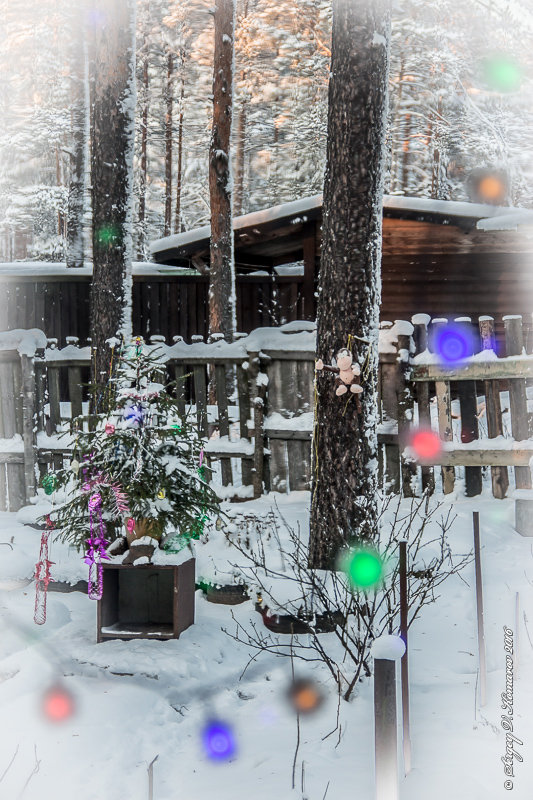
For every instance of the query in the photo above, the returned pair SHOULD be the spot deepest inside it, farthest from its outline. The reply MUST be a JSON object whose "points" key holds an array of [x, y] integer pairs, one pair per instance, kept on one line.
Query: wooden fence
{"points": [[260, 436], [167, 304]]}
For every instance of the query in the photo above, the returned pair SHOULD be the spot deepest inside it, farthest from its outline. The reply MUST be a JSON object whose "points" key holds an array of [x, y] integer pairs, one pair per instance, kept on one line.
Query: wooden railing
{"points": [[419, 382], [259, 435]]}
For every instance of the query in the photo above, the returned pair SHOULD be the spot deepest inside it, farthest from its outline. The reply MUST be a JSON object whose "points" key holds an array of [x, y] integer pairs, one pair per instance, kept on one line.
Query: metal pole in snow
{"points": [[151, 778], [406, 735], [479, 604]]}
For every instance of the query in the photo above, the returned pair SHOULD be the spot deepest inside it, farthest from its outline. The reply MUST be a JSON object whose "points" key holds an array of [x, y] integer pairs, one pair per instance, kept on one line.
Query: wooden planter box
{"points": [[146, 602]]}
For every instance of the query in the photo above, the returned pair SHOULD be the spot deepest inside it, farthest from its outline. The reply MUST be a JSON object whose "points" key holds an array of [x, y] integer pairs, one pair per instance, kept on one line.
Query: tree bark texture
{"points": [[344, 485], [78, 155], [141, 251], [239, 160], [222, 273], [113, 118], [179, 171], [168, 143]]}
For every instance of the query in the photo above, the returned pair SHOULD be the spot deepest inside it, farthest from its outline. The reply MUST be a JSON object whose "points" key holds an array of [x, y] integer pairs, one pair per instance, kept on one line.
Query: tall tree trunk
{"points": [[344, 504], [238, 193], [222, 271], [168, 145], [239, 160], [179, 171], [78, 156], [113, 130], [60, 181], [406, 146], [141, 249]]}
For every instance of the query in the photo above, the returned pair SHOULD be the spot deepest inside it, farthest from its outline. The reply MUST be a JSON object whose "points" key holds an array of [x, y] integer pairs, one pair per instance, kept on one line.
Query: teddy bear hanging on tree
{"points": [[346, 370]]}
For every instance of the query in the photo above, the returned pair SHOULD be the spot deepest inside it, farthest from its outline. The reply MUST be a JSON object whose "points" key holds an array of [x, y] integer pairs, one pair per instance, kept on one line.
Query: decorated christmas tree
{"points": [[137, 465]]}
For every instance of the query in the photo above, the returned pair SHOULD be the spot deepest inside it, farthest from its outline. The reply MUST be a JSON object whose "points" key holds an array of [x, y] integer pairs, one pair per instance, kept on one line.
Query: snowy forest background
{"points": [[445, 119]]}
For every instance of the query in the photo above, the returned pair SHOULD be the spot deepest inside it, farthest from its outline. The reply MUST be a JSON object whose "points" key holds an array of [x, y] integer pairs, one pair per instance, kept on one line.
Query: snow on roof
{"points": [[423, 205], [60, 269], [445, 208], [302, 206], [507, 222]]}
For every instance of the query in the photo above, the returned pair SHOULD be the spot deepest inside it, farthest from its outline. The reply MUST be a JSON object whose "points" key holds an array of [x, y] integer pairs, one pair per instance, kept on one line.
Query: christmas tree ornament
{"points": [[161, 494], [96, 550], [134, 415], [109, 429], [49, 484], [130, 525], [75, 466], [42, 576], [177, 428]]}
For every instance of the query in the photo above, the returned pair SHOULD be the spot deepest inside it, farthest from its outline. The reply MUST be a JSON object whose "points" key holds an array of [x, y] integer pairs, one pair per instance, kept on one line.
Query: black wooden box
{"points": [[148, 601]]}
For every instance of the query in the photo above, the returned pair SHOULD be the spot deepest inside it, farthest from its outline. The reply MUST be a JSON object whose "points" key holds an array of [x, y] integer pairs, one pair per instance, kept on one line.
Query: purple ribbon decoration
{"points": [[96, 550]]}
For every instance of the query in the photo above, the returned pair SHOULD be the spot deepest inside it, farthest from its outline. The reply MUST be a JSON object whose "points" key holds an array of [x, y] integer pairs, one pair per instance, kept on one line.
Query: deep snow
{"points": [[139, 699]]}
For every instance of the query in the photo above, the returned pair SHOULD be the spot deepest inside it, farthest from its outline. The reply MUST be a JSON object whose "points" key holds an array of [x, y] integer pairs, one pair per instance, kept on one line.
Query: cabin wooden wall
{"points": [[439, 269]]}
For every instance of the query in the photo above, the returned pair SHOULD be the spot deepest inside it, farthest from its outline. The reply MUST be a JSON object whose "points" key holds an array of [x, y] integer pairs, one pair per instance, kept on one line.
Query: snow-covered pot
{"points": [[144, 526], [229, 595]]}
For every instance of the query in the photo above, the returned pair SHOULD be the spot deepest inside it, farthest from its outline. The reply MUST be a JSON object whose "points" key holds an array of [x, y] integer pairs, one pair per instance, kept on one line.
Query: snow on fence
{"points": [[260, 434]]}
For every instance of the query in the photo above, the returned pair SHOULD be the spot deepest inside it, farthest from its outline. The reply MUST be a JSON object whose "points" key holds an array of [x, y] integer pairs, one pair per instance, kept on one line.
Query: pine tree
{"points": [[221, 264], [344, 504], [112, 145], [141, 456]]}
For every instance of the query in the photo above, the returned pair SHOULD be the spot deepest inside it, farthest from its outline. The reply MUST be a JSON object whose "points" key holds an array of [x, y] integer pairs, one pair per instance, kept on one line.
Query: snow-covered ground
{"points": [[140, 699]]}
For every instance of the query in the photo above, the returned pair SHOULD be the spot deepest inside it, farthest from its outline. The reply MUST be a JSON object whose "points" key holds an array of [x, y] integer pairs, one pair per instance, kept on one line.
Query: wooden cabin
{"points": [[442, 258]]}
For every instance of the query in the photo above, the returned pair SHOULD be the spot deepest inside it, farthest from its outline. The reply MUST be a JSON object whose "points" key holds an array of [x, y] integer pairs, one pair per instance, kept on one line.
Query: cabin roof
{"points": [[274, 235]]}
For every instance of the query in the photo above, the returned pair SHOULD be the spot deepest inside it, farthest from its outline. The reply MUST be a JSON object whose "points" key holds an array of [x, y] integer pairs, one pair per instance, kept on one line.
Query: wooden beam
{"points": [[500, 369], [463, 457]]}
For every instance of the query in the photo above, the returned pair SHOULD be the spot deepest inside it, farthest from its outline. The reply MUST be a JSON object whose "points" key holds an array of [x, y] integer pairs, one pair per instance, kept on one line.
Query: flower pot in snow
{"points": [[230, 595]]}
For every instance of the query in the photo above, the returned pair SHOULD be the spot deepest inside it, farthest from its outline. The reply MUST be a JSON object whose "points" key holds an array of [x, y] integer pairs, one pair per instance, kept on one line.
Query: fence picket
{"points": [[514, 344], [223, 419], [243, 390], [499, 475], [420, 337], [466, 391], [442, 389]]}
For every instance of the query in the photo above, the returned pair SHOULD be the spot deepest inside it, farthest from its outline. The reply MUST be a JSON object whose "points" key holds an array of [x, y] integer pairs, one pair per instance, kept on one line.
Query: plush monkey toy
{"points": [[347, 373]]}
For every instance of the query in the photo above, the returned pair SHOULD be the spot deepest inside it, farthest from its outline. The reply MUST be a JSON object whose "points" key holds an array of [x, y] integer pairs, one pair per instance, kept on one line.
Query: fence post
{"points": [[258, 446], [514, 343], [466, 391], [28, 424], [386, 650], [405, 407], [388, 375], [444, 406], [404, 609], [499, 475], [479, 612], [420, 336]]}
